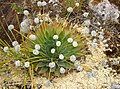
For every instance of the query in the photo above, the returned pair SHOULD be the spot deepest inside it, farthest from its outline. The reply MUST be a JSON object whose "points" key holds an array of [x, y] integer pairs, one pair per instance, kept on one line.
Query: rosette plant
{"points": [[54, 48]]}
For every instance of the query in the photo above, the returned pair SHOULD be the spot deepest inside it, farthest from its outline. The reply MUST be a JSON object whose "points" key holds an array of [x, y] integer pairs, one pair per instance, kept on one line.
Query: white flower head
{"points": [[27, 64], [10, 27], [70, 9], [17, 63], [39, 3], [55, 37], [86, 31], [35, 52], [80, 68], [61, 56], [72, 58], [77, 63], [94, 45], [58, 43], [17, 48], [32, 37], [26, 12], [75, 44], [52, 64], [93, 33], [77, 4], [52, 50], [5, 49], [14, 43], [85, 14], [37, 46], [87, 22], [101, 37], [62, 70], [36, 20], [70, 40], [44, 3]]}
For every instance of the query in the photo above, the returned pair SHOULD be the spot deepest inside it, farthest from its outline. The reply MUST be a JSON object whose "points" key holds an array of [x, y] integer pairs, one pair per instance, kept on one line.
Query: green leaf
{"points": [[41, 64], [44, 69], [66, 64]]}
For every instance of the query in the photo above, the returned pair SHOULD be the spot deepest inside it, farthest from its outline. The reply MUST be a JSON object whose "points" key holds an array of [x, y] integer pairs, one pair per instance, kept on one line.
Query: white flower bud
{"points": [[70, 40], [39, 3], [37, 47], [79, 68], [14, 43], [10, 27], [17, 63], [77, 63], [5, 49], [35, 52], [61, 56], [36, 20], [86, 31], [55, 37], [87, 22], [17, 48], [77, 4], [52, 64], [62, 70], [70, 9], [75, 44], [94, 45], [101, 37], [93, 33], [32, 37], [58, 43], [53, 51], [27, 64], [44, 3], [72, 58], [26, 12], [85, 14]]}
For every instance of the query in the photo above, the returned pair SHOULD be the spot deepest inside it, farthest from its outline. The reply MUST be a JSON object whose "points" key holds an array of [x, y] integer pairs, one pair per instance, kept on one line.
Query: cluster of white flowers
{"points": [[73, 58], [37, 46], [70, 40], [43, 3], [70, 9], [94, 44], [93, 33], [36, 20], [10, 27], [5, 49], [55, 37], [75, 44], [27, 64], [24, 26], [32, 37], [106, 10], [85, 31], [85, 14], [26, 12], [17, 63], [61, 56], [77, 4], [52, 50], [62, 70], [87, 22], [58, 43], [17, 48], [35, 52], [115, 62], [14, 43], [52, 64], [77, 63], [80, 68]]}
